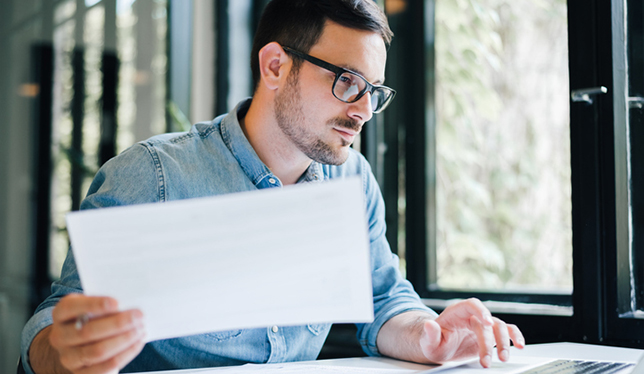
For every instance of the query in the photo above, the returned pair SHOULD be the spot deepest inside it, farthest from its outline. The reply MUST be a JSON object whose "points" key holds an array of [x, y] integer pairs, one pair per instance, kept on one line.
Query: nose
{"points": [[361, 110]]}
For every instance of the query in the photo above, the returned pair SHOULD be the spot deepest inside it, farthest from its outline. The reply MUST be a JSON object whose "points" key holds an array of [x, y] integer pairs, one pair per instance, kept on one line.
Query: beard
{"points": [[292, 121]]}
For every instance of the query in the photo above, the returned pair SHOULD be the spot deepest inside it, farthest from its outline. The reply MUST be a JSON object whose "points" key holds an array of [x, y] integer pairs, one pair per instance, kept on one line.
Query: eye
{"points": [[344, 81], [348, 80]]}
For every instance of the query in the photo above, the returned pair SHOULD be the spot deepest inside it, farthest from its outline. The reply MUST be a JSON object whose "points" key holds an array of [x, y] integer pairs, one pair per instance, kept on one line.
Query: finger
{"points": [[100, 328], [516, 336], [72, 306], [114, 364], [430, 340], [502, 338], [95, 353], [485, 341], [468, 308]]}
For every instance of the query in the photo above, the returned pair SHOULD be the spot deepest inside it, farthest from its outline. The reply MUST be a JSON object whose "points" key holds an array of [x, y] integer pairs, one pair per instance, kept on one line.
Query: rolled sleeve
{"points": [[36, 323], [368, 334], [392, 294], [69, 282]]}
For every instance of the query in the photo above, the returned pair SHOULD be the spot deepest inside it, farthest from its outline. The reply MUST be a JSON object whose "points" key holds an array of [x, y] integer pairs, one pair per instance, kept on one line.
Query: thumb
{"points": [[431, 336]]}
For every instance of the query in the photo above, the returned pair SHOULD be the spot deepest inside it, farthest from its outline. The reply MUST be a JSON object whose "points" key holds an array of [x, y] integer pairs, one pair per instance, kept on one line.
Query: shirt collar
{"points": [[312, 174], [236, 141]]}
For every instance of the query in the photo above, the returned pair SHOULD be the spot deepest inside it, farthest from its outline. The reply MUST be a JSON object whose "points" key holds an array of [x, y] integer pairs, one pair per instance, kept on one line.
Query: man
{"points": [[317, 66]]}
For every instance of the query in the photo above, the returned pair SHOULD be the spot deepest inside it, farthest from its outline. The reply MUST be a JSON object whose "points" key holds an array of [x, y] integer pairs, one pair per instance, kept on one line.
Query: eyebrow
{"points": [[352, 69]]}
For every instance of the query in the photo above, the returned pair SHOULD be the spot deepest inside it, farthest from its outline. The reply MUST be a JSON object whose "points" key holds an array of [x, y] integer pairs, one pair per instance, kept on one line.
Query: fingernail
{"points": [[504, 355], [486, 361]]}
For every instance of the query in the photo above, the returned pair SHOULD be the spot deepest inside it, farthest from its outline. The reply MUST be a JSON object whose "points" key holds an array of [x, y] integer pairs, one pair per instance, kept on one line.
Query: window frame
{"points": [[621, 326]]}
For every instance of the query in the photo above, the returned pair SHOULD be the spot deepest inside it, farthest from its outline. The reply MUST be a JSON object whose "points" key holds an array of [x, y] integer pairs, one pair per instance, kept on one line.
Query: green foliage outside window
{"points": [[503, 145]]}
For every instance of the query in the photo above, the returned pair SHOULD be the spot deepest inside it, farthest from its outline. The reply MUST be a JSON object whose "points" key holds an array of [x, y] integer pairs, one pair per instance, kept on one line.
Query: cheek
{"points": [[317, 92], [321, 107], [318, 104]]}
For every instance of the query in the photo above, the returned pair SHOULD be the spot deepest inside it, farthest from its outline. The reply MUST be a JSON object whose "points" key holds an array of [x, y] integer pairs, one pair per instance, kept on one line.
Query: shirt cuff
{"points": [[35, 324], [368, 336]]}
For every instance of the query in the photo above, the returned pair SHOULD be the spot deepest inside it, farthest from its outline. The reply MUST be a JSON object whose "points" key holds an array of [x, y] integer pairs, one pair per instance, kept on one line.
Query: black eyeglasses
{"points": [[349, 86]]}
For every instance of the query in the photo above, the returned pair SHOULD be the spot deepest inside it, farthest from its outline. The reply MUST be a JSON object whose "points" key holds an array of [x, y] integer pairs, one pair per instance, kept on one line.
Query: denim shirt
{"points": [[215, 158]]}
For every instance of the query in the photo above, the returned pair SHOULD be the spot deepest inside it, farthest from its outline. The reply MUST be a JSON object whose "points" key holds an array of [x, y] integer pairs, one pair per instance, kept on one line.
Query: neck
{"points": [[282, 157]]}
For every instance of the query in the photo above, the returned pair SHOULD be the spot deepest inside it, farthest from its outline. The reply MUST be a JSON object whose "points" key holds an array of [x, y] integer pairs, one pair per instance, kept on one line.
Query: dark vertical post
{"points": [[419, 175], [223, 35], [78, 114], [107, 145], [586, 171], [42, 67], [109, 102]]}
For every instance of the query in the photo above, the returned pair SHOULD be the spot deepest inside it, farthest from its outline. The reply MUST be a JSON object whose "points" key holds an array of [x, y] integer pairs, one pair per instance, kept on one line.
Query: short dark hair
{"points": [[298, 24]]}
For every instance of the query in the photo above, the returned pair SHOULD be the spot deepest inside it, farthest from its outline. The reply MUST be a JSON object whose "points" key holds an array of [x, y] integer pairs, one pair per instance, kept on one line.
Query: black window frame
{"points": [[622, 326]]}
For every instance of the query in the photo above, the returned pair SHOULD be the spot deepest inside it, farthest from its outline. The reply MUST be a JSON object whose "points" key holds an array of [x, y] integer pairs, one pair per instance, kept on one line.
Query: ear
{"points": [[273, 65]]}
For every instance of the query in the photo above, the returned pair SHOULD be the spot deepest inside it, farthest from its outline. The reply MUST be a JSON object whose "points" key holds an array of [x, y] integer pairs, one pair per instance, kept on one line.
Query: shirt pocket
{"points": [[224, 335], [318, 328]]}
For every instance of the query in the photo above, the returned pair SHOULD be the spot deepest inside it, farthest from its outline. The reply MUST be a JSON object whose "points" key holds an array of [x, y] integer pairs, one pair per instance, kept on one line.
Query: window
{"points": [[513, 191], [109, 90], [502, 188], [122, 71], [484, 149]]}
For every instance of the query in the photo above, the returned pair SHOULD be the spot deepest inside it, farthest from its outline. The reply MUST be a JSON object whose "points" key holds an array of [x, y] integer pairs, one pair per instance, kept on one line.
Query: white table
{"points": [[377, 365]]}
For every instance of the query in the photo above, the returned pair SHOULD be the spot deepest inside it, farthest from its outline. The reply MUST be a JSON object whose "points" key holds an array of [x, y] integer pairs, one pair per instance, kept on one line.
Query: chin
{"points": [[327, 154], [340, 157]]}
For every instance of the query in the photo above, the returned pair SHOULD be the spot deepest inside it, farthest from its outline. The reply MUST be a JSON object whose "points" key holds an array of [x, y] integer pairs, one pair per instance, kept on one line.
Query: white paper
{"points": [[288, 369], [355, 365], [280, 256]]}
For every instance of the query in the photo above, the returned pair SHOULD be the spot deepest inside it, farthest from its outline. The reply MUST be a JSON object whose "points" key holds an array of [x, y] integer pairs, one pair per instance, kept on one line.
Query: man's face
{"points": [[316, 122]]}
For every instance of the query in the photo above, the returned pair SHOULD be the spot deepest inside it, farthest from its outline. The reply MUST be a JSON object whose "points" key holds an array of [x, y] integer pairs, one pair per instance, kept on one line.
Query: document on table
{"points": [[289, 369], [280, 256], [355, 365]]}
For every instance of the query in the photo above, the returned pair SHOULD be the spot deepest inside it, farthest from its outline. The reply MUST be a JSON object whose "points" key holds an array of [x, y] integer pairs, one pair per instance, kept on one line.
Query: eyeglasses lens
{"points": [[377, 99], [348, 87]]}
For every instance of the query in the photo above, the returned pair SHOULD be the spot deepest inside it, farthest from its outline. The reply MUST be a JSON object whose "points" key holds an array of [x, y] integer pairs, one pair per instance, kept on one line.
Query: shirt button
{"points": [[275, 329], [271, 180]]}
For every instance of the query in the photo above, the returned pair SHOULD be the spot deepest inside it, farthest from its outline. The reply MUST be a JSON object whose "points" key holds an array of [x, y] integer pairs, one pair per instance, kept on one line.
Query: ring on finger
{"points": [[81, 321]]}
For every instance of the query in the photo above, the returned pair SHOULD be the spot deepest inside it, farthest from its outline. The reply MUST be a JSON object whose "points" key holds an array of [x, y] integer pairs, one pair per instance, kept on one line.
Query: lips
{"points": [[346, 134]]}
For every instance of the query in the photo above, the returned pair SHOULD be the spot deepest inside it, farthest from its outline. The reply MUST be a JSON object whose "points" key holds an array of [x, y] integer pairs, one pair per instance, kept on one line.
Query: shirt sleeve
{"points": [[130, 178], [392, 294]]}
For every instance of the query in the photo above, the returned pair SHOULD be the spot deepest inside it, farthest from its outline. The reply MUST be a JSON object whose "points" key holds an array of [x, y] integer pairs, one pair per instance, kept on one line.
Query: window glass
{"points": [[81, 55], [141, 47], [503, 190]]}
